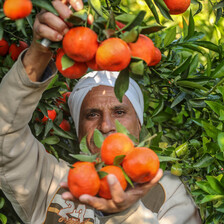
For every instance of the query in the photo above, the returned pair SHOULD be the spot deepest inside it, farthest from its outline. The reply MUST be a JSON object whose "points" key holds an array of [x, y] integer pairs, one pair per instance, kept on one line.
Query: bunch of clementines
{"points": [[80, 45], [138, 164]]}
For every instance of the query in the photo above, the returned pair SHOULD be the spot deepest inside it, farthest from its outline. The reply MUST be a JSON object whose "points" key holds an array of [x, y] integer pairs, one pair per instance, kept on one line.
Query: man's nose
{"points": [[107, 125]]}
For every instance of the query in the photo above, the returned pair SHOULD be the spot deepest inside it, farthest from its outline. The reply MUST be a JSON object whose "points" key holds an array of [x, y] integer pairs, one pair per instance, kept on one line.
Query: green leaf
{"points": [[167, 159], [210, 129], [2, 202], [191, 26], [209, 198], [182, 67], [83, 146], [48, 127], [208, 45], [38, 128], [127, 177], [205, 186], [121, 84], [182, 150], [102, 174], [209, 65], [216, 185], [185, 27], [220, 138], [118, 160], [96, 5], [51, 93], [189, 84], [3, 218], [219, 71], [86, 158], [78, 18], [215, 106], [52, 140], [131, 36], [66, 62], [159, 108], [153, 10], [204, 161], [180, 97], [170, 37], [98, 138], [60, 132], [45, 5], [137, 67], [151, 29], [163, 9], [121, 128]]}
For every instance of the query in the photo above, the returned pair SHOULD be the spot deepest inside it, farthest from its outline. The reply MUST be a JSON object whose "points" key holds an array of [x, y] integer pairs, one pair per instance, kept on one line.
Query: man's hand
{"points": [[47, 25], [121, 200]]}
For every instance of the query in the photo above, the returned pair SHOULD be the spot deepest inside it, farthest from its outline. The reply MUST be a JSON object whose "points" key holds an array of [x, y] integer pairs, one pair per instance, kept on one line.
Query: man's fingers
{"points": [[62, 9], [76, 4], [68, 196]]}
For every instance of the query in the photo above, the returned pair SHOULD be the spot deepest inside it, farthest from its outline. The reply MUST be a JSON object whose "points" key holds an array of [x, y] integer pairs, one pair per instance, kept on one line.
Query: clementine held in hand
{"points": [[141, 165], [80, 44], [77, 70], [156, 58], [83, 179], [114, 145], [113, 55], [177, 6], [104, 190], [17, 9], [143, 48]]}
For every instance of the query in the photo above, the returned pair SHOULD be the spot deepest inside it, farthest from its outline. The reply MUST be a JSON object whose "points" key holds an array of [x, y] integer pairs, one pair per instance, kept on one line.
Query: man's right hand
{"points": [[49, 26]]}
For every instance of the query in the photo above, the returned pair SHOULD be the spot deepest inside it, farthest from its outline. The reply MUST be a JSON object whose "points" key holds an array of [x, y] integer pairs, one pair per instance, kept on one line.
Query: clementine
{"points": [[141, 164], [80, 44], [83, 179], [15, 50], [177, 6], [93, 65], [4, 47], [51, 115], [104, 190], [113, 54], [156, 58], [77, 70], [114, 145], [65, 125], [63, 99], [17, 9], [143, 48]]}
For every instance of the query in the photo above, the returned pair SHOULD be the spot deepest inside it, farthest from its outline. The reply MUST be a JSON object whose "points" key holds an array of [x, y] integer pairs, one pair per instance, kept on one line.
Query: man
{"points": [[31, 178]]}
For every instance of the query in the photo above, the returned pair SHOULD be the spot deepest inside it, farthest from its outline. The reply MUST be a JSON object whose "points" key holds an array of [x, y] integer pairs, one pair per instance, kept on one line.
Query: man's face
{"points": [[100, 109]]}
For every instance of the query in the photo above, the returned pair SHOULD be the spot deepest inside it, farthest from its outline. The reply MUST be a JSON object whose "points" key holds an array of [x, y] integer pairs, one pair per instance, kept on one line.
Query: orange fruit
{"points": [[80, 44], [143, 48], [113, 54], [156, 58], [141, 164], [4, 47], [104, 190], [51, 115], [114, 145], [93, 65], [177, 6], [77, 70], [15, 50], [65, 125], [17, 9], [63, 99], [83, 179]]}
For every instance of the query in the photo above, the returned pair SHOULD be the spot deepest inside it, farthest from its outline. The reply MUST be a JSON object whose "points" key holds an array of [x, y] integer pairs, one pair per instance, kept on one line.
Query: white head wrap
{"points": [[104, 78]]}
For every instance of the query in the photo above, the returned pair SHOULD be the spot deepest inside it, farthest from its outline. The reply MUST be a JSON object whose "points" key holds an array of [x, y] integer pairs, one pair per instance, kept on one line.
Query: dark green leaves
{"points": [[45, 5]]}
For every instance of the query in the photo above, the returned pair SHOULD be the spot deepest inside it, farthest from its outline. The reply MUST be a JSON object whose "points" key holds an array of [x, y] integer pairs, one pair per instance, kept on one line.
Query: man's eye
{"points": [[91, 115], [120, 112]]}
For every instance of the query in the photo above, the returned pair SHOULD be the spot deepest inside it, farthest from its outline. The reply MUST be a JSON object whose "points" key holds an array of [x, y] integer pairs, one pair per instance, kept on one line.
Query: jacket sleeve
{"points": [[26, 170]]}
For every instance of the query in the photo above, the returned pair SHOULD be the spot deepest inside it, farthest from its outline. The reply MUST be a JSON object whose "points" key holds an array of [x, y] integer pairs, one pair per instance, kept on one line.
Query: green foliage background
{"points": [[184, 93]]}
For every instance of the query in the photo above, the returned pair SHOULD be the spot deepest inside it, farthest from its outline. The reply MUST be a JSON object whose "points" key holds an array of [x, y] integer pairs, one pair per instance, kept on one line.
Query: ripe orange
{"points": [[80, 44], [77, 70], [93, 65], [15, 50], [156, 58], [114, 145], [17, 9], [141, 164], [177, 6], [65, 125], [51, 115], [113, 55], [143, 48], [63, 99], [104, 190], [4, 47], [83, 179]]}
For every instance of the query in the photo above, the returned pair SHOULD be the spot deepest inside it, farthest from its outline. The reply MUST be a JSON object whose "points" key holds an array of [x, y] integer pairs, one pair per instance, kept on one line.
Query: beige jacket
{"points": [[30, 177]]}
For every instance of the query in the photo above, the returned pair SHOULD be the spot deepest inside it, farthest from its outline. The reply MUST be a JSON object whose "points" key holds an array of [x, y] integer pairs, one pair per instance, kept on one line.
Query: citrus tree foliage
{"points": [[184, 93]]}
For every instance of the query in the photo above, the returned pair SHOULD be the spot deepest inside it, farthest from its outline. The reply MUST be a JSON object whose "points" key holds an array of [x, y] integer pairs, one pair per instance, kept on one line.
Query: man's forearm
{"points": [[36, 60]]}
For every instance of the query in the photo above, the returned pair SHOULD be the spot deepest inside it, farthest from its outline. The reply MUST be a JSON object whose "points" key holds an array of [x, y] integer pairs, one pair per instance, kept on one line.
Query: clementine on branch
{"points": [[4, 47], [143, 48], [80, 44], [83, 179], [17, 9], [156, 58], [113, 55], [104, 190], [141, 164], [114, 145], [77, 70], [177, 6]]}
